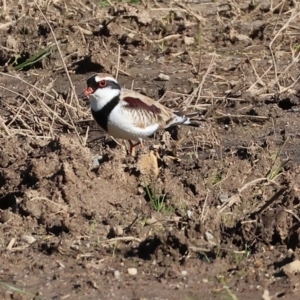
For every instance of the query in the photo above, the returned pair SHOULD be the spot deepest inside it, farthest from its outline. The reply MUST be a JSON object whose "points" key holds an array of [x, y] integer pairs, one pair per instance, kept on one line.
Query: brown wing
{"points": [[137, 103]]}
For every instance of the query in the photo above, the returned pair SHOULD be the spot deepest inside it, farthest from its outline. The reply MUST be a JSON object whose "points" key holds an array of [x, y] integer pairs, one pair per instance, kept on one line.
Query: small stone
{"points": [[144, 91], [119, 230], [204, 280], [60, 264], [184, 273], [29, 239], [132, 271], [117, 274], [74, 247], [266, 295], [163, 77], [223, 197], [189, 213], [96, 162], [11, 244], [150, 221], [189, 40], [140, 190], [242, 37], [5, 215], [208, 236]]}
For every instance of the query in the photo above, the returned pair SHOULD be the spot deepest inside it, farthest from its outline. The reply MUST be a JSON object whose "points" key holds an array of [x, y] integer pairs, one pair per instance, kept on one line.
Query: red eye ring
{"points": [[102, 83]]}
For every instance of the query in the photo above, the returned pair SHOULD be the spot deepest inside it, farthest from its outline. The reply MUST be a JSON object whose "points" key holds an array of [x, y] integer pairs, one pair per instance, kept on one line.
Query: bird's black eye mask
{"points": [[93, 84]]}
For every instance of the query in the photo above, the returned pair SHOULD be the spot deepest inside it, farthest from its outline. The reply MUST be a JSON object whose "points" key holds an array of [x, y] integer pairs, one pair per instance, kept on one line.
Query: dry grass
{"points": [[260, 83], [207, 96], [47, 107], [225, 77]]}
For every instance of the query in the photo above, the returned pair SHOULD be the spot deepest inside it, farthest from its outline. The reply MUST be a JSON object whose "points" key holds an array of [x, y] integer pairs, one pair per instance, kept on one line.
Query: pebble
{"points": [[119, 230], [150, 221], [132, 271], [29, 239], [184, 273], [189, 40], [223, 197], [74, 247], [208, 236], [117, 274], [163, 77], [96, 162]]}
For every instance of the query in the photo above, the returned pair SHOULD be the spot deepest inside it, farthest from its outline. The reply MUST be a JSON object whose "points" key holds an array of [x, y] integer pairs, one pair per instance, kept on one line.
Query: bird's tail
{"points": [[191, 122], [186, 118], [180, 118]]}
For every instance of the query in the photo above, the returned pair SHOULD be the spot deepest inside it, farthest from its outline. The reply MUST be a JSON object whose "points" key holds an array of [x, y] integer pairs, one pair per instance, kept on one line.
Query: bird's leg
{"points": [[132, 147]]}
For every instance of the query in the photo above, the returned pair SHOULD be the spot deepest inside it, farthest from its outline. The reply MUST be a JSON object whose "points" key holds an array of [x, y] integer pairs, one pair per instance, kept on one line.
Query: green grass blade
{"points": [[34, 59]]}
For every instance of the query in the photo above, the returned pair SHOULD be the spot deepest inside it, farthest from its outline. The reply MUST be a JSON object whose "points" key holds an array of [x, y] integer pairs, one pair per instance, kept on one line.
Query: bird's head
{"points": [[101, 89]]}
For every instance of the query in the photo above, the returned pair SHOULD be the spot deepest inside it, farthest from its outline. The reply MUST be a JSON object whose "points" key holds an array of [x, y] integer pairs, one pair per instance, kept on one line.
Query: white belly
{"points": [[122, 125]]}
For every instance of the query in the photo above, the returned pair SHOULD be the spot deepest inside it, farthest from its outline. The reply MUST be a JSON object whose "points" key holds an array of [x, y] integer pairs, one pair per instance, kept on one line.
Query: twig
{"points": [[255, 181], [31, 85], [279, 15], [6, 129], [271, 45], [204, 206], [65, 67], [17, 114], [239, 116], [10, 23], [204, 77], [269, 202], [86, 136], [48, 200], [4, 6], [11, 244], [259, 79], [230, 202], [168, 37], [47, 109], [198, 90], [190, 11], [122, 238], [292, 213], [118, 65], [198, 249]]}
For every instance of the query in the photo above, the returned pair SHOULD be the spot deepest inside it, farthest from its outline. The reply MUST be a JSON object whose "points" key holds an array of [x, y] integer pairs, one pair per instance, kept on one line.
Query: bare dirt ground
{"points": [[209, 213]]}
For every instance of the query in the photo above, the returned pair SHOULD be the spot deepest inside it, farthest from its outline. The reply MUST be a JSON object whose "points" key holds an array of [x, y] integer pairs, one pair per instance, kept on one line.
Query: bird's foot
{"points": [[132, 147]]}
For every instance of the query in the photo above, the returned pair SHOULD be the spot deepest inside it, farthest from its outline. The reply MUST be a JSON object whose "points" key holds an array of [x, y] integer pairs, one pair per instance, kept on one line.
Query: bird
{"points": [[127, 114]]}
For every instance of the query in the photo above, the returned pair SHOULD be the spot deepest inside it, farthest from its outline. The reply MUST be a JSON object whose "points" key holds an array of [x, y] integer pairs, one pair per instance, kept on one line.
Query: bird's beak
{"points": [[87, 92]]}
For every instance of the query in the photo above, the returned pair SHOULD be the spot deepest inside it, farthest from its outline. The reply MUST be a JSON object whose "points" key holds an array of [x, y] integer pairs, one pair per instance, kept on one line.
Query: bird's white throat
{"points": [[101, 97]]}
